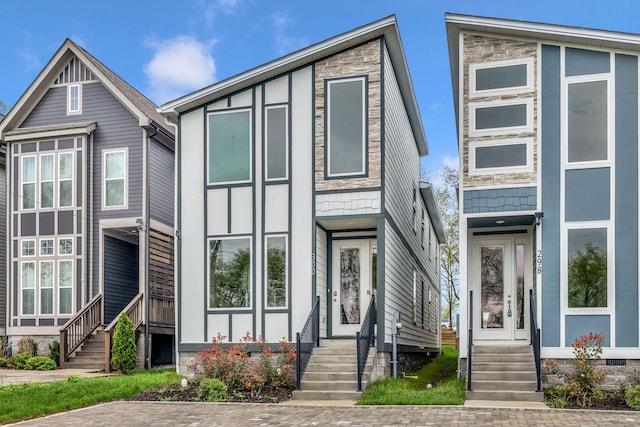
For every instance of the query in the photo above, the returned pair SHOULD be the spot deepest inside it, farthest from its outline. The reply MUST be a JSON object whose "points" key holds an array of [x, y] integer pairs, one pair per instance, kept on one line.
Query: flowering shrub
{"points": [[232, 364], [586, 377]]}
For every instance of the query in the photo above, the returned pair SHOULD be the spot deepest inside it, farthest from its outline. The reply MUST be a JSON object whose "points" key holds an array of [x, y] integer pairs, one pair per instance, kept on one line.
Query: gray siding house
{"points": [[89, 212], [310, 163], [548, 139]]}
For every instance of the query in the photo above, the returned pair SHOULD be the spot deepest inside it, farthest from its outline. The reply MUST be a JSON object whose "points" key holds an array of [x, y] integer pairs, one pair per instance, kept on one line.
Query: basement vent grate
{"points": [[616, 362]]}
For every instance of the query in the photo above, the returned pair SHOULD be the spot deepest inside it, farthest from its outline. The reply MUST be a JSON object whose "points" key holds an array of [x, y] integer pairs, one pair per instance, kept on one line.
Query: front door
{"points": [[351, 285], [500, 278]]}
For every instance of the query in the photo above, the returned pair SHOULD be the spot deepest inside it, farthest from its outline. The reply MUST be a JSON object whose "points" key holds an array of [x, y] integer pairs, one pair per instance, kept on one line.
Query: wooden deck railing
{"points": [[134, 311], [79, 327]]}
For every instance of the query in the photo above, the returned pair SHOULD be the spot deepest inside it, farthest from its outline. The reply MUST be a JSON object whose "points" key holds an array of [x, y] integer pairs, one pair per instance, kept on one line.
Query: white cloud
{"points": [[208, 10], [179, 66], [285, 43], [451, 162]]}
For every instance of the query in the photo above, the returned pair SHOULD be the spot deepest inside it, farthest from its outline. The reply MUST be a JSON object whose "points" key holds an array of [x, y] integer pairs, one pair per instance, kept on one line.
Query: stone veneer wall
{"points": [[481, 49], [359, 61]]}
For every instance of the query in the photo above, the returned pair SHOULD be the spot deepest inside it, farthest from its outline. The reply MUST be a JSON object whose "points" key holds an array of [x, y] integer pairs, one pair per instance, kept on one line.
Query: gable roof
{"points": [[536, 31], [386, 27], [139, 105]]}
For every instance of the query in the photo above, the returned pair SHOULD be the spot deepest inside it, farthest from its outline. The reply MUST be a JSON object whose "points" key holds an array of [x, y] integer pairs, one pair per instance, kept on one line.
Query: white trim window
{"points": [[501, 77], [500, 117], [28, 191], [74, 99], [65, 246], [277, 142], [276, 267], [46, 287], [65, 180], [346, 112], [114, 173], [230, 273], [28, 288], [500, 156], [229, 146], [65, 286], [28, 247], [46, 180], [47, 247]]}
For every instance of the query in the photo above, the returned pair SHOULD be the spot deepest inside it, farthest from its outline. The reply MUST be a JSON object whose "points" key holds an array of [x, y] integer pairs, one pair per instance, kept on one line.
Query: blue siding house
{"points": [[547, 121], [89, 213]]}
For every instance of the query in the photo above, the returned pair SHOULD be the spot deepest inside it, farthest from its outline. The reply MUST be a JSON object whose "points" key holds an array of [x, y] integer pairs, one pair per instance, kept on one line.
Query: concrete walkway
{"points": [[124, 414], [16, 376]]}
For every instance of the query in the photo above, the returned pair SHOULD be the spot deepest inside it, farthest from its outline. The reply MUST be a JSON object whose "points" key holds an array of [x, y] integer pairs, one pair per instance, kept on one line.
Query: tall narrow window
{"points": [[115, 188], [346, 121], [74, 95], [587, 121], [230, 273], [65, 288], [65, 179], [587, 268], [230, 146], [46, 181], [28, 286], [277, 142], [46, 287], [276, 271], [422, 230], [29, 182]]}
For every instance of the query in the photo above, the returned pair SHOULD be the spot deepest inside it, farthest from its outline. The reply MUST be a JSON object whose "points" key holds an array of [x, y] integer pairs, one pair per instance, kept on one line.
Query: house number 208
{"points": [[539, 262]]}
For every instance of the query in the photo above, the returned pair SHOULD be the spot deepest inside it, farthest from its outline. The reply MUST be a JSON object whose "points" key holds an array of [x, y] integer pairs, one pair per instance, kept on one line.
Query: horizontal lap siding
{"points": [[161, 165], [121, 276], [3, 247]]}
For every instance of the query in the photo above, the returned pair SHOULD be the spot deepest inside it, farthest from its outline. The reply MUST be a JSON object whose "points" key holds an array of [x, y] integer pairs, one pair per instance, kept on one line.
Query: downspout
{"points": [[147, 362]]}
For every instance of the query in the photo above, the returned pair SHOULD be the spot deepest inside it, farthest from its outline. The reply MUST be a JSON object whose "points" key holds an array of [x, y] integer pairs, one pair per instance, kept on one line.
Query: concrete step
{"points": [[502, 349], [503, 366], [503, 357], [331, 367], [325, 395], [524, 396], [503, 385], [333, 376], [335, 351], [327, 359], [504, 376], [79, 364], [329, 385], [350, 342]]}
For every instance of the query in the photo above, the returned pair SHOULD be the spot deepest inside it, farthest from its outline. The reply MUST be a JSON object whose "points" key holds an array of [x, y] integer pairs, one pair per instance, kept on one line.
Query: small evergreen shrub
{"points": [[54, 352], [124, 353], [28, 345], [20, 360], [40, 363], [212, 390], [3, 362]]}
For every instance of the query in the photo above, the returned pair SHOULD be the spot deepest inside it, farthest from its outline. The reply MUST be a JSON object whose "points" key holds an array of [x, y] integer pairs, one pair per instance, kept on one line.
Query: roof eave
{"points": [[426, 192]]}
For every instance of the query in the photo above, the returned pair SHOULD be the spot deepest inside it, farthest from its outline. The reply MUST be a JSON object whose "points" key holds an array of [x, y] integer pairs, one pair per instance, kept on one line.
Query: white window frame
{"points": [[286, 271], [34, 182], [52, 181], [473, 106], [53, 247], [70, 98], [60, 240], [52, 287], [528, 87], [208, 143], [125, 153], [59, 287], [33, 288], [286, 142], [33, 248], [61, 180], [251, 281], [473, 145], [363, 171]]}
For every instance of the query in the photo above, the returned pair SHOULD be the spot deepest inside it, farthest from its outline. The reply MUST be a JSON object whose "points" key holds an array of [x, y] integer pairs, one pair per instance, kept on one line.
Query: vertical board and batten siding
{"points": [[120, 276], [192, 296], [302, 225], [321, 277], [3, 247], [401, 177], [161, 182]]}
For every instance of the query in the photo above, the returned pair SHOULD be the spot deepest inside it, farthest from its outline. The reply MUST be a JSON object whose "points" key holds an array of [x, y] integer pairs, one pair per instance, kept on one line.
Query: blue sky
{"points": [[166, 49]]}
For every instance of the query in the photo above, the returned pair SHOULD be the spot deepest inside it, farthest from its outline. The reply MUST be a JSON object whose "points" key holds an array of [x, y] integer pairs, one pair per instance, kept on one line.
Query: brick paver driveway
{"points": [[123, 414]]}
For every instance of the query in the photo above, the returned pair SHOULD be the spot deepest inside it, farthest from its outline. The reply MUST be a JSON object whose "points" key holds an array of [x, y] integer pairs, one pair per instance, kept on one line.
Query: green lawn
{"points": [[409, 391], [24, 401]]}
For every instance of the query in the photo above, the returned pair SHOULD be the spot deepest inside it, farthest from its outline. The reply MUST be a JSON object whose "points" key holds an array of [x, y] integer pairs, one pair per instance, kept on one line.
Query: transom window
{"points": [[230, 273], [229, 146], [276, 271], [507, 155], [501, 77], [115, 179], [500, 117], [346, 132]]}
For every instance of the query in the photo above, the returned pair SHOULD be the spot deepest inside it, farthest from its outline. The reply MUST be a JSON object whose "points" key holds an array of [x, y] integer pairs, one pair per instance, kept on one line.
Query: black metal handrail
{"points": [[307, 340], [535, 338], [470, 341], [364, 340]]}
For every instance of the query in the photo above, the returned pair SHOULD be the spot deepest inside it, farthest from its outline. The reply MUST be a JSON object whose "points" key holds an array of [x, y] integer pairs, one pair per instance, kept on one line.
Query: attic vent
{"points": [[74, 71], [616, 362]]}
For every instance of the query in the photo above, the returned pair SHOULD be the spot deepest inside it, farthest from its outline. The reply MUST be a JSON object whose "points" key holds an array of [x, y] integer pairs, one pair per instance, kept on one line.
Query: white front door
{"points": [[500, 278], [351, 285]]}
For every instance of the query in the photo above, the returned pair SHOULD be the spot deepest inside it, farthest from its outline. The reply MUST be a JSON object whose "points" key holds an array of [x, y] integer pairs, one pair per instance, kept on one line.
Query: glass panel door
{"points": [[492, 287]]}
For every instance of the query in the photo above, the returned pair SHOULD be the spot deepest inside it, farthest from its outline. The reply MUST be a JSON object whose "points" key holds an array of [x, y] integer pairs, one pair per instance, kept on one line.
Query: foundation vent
{"points": [[616, 362]]}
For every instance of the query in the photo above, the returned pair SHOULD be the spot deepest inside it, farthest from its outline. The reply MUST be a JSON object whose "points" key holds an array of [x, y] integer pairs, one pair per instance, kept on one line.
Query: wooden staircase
{"points": [[506, 373], [90, 355], [332, 373]]}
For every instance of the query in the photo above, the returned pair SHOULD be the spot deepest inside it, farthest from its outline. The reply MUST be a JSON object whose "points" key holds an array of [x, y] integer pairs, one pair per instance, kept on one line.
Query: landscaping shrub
{"points": [[3, 362], [212, 390], [632, 397], [4, 347], [586, 377], [40, 363], [20, 360], [557, 397], [54, 352], [124, 353], [28, 345]]}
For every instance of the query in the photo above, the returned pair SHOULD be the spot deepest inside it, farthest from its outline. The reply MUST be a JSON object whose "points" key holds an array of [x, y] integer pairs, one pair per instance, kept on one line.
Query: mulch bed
{"points": [[177, 393]]}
